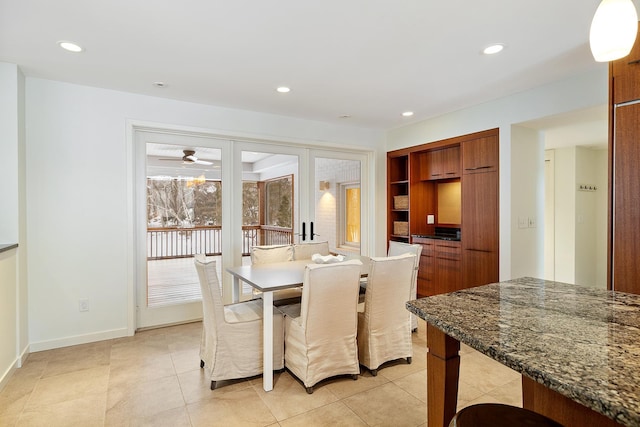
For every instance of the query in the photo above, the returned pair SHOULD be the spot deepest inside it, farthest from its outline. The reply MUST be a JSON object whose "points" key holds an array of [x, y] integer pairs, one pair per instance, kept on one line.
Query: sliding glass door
{"points": [[200, 194]]}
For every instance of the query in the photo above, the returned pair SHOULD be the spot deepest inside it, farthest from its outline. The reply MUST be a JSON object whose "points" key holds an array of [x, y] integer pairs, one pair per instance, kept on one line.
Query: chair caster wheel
{"points": [[309, 390], [374, 372]]}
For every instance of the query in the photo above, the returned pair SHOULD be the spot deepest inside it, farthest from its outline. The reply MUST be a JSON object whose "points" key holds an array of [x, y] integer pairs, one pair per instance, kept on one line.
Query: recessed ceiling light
{"points": [[70, 46], [494, 48], [283, 89], [159, 84], [345, 116], [407, 113]]}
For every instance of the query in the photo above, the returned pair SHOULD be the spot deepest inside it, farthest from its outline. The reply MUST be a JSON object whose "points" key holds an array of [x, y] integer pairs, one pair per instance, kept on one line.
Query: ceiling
{"points": [[368, 60]]}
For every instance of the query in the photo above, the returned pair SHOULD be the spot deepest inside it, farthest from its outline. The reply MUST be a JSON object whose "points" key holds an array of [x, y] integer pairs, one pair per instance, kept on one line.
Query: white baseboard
{"points": [[78, 339], [6, 376], [23, 356]]}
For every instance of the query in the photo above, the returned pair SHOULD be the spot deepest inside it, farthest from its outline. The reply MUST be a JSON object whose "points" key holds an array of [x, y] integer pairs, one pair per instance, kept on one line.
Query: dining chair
{"points": [[276, 253], [231, 344], [384, 324], [307, 250], [398, 248], [320, 332]]}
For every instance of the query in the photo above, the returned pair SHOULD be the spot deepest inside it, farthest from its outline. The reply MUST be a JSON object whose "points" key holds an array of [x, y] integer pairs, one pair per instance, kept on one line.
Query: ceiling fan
{"points": [[190, 158]]}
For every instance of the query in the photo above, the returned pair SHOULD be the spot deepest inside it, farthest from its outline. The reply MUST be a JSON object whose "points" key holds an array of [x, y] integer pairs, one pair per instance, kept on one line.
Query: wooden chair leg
{"points": [[309, 390], [354, 376], [374, 372], [409, 360], [213, 385]]}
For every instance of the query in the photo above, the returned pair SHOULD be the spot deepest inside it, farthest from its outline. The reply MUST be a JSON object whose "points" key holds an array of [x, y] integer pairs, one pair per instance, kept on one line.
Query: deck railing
{"points": [[165, 243]]}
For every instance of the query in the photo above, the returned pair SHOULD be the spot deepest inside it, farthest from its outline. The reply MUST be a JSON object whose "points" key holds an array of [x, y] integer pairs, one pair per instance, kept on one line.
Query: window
{"points": [[350, 215], [250, 203], [279, 202], [183, 202]]}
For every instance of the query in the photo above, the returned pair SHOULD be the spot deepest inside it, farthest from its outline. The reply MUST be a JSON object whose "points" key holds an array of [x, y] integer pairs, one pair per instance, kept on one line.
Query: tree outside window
{"points": [[279, 206]]}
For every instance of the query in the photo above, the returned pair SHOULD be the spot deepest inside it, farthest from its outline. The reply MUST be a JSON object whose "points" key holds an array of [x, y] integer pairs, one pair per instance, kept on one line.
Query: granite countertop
{"points": [[581, 342], [7, 246]]}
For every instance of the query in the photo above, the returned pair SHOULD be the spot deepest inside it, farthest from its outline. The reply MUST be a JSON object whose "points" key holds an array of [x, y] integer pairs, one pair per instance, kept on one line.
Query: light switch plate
{"points": [[431, 219], [532, 222], [523, 222]]}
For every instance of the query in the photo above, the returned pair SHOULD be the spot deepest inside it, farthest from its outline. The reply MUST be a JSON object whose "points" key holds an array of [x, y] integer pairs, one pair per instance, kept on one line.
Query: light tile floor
{"points": [[154, 379]]}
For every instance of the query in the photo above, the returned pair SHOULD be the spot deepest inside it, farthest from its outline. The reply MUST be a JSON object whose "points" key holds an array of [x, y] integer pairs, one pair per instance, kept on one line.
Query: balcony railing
{"points": [[165, 243]]}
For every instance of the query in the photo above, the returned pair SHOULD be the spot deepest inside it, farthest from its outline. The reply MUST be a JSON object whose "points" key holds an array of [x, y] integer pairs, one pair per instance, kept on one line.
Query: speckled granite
{"points": [[7, 246], [581, 342]]}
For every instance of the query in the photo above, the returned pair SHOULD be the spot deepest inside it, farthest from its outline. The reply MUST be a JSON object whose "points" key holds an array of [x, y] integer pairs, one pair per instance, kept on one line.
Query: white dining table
{"points": [[268, 278]]}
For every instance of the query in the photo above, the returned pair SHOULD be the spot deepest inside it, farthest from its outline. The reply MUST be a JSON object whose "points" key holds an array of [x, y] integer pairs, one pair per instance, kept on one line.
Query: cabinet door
{"points": [[480, 267], [451, 162], [441, 164], [480, 155], [448, 274], [480, 228], [626, 200], [480, 211], [434, 165], [626, 75], [426, 276]]}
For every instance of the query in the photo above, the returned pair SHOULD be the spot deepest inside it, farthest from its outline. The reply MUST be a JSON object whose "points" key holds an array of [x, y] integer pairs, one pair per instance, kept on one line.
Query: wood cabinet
{"points": [[480, 155], [440, 266], [626, 200], [472, 160], [624, 173], [480, 218], [625, 73], [426, 268], [448, 268], [443, 163], [398, 185]]}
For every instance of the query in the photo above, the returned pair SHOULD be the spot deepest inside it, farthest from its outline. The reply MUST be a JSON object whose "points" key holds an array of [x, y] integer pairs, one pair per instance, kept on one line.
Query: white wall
{"points": [[578, 92], [565, 215], [77, 195], [585, 218], [602, 181], [581, 216], [527, 201], [14, 339], [8, 314]]}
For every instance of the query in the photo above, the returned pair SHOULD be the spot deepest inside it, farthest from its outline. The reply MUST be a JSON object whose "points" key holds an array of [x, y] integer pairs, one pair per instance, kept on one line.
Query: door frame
{"points": [[136, 159]]}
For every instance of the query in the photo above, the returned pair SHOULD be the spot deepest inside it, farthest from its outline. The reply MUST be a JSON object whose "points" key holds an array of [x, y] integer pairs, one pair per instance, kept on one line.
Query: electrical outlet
{"points": [[83, 304], [532, 222], [431, 219]]}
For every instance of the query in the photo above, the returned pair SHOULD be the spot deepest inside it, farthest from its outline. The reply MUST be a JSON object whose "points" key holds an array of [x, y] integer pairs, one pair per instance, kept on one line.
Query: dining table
{"points": [[268, 278], [576, 347]]}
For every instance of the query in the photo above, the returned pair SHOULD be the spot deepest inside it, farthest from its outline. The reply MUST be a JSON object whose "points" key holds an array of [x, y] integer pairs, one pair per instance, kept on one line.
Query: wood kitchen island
{"points": [[577, 348]]}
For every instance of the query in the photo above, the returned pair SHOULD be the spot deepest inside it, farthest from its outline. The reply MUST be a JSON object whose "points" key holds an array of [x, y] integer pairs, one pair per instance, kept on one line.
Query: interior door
{"points": [[338, 201]]}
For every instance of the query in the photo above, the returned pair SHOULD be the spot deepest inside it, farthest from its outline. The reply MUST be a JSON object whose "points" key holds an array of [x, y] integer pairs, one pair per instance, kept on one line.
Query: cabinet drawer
{"points": [[448, 251]]}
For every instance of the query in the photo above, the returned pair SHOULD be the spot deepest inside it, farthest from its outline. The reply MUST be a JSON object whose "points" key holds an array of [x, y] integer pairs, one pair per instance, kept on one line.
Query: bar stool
{"points": [[498, 415]]}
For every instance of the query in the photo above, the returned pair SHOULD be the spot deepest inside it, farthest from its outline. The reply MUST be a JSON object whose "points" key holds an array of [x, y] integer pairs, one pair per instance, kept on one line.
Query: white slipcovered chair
{"points": [[320, 332], [231, 345], [276, 253], [399, 248], [307, 250], [384, 325]]}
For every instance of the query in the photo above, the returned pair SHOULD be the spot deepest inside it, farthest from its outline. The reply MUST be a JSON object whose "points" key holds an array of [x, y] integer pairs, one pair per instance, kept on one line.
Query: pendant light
{"points": [[613, 30]]}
